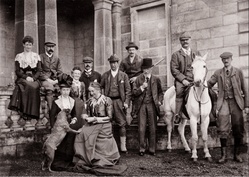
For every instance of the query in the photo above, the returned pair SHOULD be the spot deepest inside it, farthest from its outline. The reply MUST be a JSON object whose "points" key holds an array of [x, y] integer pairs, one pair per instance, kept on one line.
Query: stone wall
{"points": [[7, 41]]}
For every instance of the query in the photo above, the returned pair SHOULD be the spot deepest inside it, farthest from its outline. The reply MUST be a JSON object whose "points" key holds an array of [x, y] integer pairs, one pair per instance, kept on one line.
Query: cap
{"points": [[147, 63], [49, 43], [130, 45], [87, 60], [184, 35], [226, 55], [113, 58]]}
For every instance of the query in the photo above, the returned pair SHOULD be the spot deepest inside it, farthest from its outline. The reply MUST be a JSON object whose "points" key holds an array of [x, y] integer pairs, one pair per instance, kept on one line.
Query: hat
{"points": [[87, 60], [147, 63], [50, 43], [65, 81], [184, 35], [131, 44], [113, 58], [226, 55]]}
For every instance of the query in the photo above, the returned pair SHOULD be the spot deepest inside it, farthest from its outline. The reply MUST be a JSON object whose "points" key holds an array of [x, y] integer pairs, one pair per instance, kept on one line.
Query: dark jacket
{"points": [[178, 65], [156, 89], [131, 69], [123, 85], [239, 87], [50, 69]]}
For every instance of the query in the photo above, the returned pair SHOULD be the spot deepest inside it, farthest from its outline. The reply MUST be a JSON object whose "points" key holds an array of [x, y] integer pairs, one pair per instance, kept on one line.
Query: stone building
{"points": [[99, 28]]}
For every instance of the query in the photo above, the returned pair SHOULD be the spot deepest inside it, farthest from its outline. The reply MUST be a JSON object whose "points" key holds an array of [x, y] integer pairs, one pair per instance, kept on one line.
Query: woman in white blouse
{"points": [[26, 96]]}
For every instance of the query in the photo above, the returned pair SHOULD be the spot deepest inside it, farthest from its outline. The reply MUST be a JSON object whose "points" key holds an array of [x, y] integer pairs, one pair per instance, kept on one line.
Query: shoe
{"points": [[177, 119], [152, 153], [124, 152], [141, 153]]}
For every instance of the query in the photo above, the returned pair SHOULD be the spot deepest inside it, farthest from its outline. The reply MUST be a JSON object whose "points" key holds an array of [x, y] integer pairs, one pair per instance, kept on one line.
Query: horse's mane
{"points": [[197, 58]]}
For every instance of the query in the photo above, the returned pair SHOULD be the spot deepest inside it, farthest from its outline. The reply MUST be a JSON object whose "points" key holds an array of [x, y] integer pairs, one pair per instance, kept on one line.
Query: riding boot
{"points": [[178, 110], [49, 98], [123, 144], [223, 143], [236, 151]]}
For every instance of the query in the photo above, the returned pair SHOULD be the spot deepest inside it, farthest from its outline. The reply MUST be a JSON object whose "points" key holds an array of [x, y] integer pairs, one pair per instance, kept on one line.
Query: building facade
{"points": [[99, 28]]}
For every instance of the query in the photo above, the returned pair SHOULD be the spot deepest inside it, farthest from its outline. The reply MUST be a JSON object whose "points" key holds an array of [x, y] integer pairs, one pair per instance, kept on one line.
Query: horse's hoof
{"points": [[188, 151], [209, 159], [194, 159], [169, 150]]}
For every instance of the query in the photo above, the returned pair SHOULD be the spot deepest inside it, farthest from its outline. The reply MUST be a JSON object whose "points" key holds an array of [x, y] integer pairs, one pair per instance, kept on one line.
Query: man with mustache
{"points": [[232, 100], [131, 65], [51, 70], [180, 66], [89, 75]]}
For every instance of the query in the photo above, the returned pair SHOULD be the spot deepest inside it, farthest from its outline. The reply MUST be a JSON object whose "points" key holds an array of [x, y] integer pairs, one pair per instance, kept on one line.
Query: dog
{"points": [[58, 133]]}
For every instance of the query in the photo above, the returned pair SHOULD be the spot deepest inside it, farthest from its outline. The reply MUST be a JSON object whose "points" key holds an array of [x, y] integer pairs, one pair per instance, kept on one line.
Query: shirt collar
{"points": [[186, 51], [49, 55], [114, 73]]}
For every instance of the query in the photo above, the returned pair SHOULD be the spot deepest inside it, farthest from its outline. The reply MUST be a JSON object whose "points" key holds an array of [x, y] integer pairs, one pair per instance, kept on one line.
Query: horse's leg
{"points": [[181, 130], [193, 126], [204, 131], [169, 122]]}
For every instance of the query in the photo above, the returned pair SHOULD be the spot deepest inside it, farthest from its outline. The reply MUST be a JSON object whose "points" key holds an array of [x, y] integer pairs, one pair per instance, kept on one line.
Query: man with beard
{"points": [[181, 70], [116, 86], [88, 75], [51, 70], [131, 65]]}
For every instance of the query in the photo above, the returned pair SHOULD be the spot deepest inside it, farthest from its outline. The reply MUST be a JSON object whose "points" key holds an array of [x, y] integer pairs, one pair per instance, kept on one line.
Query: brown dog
{"points": [[58, 132]]}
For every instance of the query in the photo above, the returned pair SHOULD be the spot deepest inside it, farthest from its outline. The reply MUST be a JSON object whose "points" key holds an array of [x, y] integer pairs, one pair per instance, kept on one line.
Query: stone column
{"points": [[116, 27], [47, 26], [25, 23], [3, 115], [103, 46]]}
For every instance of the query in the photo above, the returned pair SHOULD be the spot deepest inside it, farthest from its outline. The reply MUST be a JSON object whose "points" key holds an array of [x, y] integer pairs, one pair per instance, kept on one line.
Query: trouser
{"points": [[230, 116], [180, 89], [147, 114], [119, 116], [49, 88]]}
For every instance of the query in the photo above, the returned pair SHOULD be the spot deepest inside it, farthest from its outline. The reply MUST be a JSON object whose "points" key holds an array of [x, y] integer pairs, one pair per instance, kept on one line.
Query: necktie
{"points": [[147, 79], [227, 72]]}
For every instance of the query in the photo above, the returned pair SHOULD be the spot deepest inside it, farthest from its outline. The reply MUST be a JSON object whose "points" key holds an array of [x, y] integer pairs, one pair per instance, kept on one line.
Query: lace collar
{"points": [[28, 59]]}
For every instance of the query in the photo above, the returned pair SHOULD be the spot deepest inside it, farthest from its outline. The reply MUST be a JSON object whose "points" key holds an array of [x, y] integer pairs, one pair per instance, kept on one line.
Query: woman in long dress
{"points": [[95, 146], [26, 95]]}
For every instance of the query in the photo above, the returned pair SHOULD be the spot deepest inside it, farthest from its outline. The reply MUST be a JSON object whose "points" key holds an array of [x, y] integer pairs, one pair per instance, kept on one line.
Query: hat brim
{"points": [[87, 61], [49, 44], [127, 47], [64, 86], [113, 60], [146, 67]]}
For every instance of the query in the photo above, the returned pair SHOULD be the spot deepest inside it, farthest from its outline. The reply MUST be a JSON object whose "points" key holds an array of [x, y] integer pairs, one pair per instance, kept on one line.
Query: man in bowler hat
{"points": [[232, 100], [51, 71], [131, 65], [148, 90], [89, 75], [180, 66], [116, 86]]}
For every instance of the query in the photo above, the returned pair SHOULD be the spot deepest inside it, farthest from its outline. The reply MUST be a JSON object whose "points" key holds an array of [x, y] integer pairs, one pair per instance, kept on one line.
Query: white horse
{"points": [[198, 107]]}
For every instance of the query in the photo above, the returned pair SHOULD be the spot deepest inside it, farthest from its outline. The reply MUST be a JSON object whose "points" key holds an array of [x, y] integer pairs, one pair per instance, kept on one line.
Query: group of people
{"points": [[128, 83]]}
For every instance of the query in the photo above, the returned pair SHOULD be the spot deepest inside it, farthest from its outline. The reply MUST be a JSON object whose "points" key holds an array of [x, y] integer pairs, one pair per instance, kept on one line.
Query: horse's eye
{"points": [[204, 66]]}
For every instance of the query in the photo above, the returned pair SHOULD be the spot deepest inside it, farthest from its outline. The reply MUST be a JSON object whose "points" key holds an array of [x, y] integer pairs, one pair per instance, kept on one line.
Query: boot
{"points": [[236, 151], [49, 98], [223, 143], [123, 144], [178, 110]]}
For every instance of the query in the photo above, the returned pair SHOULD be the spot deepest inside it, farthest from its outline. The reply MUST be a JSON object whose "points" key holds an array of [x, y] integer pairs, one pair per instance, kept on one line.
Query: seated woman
{"points": [[26, 96], [65, 151], [78, 93], [95, 147]]}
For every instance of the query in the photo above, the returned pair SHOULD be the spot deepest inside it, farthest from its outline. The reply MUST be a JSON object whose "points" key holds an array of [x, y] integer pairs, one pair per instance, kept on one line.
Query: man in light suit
{"points": [[51, 70], [149, 96], [116, 86], [232, 100]]}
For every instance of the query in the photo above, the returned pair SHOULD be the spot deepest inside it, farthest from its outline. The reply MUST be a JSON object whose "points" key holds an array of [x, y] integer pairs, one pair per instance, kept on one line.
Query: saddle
{"points": [[213, 97]]}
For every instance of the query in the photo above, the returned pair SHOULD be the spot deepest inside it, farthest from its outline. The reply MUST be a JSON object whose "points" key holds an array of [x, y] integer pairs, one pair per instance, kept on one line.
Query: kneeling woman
{"points": [[95, 146]]}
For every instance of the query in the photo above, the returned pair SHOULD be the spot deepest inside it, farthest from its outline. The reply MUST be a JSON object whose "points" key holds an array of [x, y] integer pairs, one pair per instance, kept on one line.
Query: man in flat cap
{"points": [[89, 75], [180, 66], [232, 100], [148, 90], [116, 86], [51, 70], [131, 65]]}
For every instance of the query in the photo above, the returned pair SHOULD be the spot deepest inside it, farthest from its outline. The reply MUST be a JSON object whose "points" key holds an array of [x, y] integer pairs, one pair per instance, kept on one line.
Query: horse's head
{"points": [[199, 70]]}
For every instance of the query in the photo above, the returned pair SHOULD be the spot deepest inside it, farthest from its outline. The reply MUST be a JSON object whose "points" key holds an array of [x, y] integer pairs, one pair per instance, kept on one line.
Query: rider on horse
{"points": [[181, 70]]}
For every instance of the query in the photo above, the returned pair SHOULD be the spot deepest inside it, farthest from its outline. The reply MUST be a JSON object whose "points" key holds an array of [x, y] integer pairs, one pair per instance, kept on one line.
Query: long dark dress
{"points": [[65, 151], [26, 95]]}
